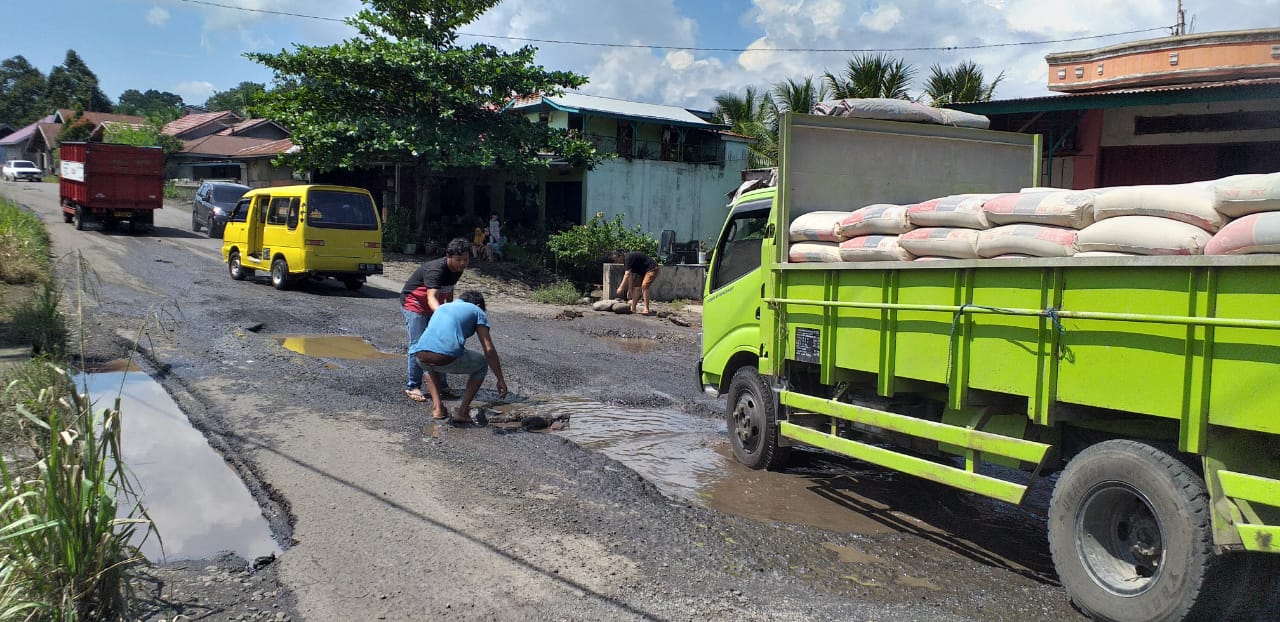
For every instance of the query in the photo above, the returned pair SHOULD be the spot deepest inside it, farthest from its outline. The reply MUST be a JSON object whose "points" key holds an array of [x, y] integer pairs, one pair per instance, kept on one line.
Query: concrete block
{"points": [[675, 282]]}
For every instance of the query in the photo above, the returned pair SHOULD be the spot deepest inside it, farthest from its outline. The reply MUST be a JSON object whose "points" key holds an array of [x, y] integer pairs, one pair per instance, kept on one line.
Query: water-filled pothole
{"points": [[334, 347], [198, 504]]}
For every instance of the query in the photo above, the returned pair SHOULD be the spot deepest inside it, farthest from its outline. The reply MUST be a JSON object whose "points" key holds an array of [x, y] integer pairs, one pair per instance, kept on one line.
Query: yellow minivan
{"points": [[304, 231]]}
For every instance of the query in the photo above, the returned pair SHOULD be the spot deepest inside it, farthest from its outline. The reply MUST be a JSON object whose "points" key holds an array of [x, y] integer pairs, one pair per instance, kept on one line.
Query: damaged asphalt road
{"points": [[383, 516]]}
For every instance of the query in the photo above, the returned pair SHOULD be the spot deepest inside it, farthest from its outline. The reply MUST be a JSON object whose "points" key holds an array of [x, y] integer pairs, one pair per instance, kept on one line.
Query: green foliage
{"points": [[403, 89], [76, 130], [22, 89], [798, 95], [24, 245], [38, 321], [67, 555], [963, 83], [751, 115], [149, 135], [73, 85], [872, 75], [160, 106], [558, 293], [241, 99], [581, 250], [396, 231]]}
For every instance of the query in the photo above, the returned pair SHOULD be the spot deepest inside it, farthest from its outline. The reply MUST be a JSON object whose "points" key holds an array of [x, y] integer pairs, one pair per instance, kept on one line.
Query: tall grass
{"points": [[38, 321], [559, 293], [66, 555], [24, 245]]}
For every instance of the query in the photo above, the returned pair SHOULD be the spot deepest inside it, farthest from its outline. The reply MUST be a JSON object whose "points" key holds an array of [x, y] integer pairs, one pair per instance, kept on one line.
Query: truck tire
{"points": [[1130, 534], [67, 216], [235, 268], [353, 283], [280, 274], [751, 415], [79, 218]]}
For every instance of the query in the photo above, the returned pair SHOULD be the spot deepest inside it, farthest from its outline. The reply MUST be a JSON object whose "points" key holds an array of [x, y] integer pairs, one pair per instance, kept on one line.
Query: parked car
{"points": [[21, 169], [213, 202]]}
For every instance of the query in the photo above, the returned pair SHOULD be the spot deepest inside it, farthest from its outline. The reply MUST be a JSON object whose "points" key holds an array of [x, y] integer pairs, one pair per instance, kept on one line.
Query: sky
{"points": [[195, 48]]}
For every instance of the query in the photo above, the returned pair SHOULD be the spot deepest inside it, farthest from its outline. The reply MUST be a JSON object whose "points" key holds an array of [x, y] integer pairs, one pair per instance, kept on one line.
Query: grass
{"points": [[680, 303], [558, 293], [24, 245], [37, 321]]}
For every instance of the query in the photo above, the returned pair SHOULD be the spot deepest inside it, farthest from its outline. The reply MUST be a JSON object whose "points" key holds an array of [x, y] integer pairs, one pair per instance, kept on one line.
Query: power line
{"points": [[941, 48]]}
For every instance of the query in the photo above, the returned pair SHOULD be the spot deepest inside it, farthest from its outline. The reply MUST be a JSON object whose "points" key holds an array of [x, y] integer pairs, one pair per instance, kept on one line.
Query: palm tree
{"points": [[964, 83], [793, 96], [872, 75], [750, 115], [732, 109]]}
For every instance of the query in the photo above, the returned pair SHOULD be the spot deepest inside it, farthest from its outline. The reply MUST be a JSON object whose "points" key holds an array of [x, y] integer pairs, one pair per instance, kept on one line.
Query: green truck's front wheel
{"points": [[1130, 534], [751, 415]]}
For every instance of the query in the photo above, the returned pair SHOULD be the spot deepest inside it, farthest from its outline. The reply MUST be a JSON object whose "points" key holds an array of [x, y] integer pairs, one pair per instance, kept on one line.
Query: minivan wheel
{"points": [[280, 274], [195, 221], [353, 283], [235, 268]]}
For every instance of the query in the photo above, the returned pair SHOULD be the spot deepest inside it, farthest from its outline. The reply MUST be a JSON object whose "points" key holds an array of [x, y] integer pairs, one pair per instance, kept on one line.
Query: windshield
{"points": [[338, 209], [228, 194], [23, 164]]}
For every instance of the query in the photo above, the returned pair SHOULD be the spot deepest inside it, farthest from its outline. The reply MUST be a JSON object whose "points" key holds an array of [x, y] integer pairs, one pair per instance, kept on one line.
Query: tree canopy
{"points": [[73, 85], [963, 83], [21, 91], [160, 105], [872, 75], [240, 99], [403, 89]]}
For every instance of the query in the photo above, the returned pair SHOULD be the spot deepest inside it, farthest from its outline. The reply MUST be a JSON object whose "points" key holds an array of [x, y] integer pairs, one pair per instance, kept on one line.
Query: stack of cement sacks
{"points": [[1234, 215]]}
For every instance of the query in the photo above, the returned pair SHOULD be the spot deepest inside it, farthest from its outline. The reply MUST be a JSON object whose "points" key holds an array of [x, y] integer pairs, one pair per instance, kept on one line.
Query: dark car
{"points": [[213, 203]]}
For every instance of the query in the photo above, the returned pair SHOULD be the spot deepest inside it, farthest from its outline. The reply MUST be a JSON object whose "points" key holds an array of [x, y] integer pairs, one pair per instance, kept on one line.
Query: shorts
{"points": [[470, 362], [649, 278]]}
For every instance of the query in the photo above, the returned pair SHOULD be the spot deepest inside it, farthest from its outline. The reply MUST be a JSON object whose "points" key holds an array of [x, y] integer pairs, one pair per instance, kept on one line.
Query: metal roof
{"points": [[185, 124], [580, 103], [1228, 90], [25, 133], [235, 146]]}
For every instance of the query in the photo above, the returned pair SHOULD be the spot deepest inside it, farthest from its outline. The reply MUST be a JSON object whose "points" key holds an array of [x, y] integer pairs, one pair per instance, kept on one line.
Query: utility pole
{"points": [[1181, 27]]}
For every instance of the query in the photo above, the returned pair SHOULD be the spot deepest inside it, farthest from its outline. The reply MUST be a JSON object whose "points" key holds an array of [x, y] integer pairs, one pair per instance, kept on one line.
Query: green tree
{"points": [[76, 130], [800, 96], [582, 249], [145, 135], [963, 83], [21, 88], [241, 99], [872, 75], [73, 85], [750, 115], [161, 105], [403, 90]]}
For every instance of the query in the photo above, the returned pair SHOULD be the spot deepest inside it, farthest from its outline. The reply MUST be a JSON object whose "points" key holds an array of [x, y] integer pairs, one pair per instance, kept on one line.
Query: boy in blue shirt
{"points": [[441, 349]]}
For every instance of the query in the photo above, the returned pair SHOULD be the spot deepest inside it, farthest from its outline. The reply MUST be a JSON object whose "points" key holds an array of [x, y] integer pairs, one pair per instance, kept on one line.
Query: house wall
{"points": [[687, 198], [261, 173], [1118, 124]]}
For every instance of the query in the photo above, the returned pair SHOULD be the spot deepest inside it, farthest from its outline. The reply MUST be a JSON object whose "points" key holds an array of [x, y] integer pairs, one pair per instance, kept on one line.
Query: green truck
{"points": [[1149, 385]]}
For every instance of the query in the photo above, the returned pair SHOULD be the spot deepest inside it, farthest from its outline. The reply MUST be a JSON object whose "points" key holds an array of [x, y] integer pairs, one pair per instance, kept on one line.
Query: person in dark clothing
{"points": [[639, 273], [430, 286], [441, 349]]}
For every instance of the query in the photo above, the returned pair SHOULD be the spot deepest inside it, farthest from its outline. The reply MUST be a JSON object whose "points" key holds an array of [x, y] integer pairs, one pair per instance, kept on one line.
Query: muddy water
{"points": [[334, 347], [199, 506]]}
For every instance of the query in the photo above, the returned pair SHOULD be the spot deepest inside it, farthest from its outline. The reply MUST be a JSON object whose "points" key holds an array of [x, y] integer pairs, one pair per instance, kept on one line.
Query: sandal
{"points": [[415, 395], [439, 418]]}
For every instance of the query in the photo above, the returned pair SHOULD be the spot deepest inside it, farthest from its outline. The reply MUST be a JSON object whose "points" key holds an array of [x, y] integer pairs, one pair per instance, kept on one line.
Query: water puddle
{"points": [[334, 347], [635, 345], [199, 506]]}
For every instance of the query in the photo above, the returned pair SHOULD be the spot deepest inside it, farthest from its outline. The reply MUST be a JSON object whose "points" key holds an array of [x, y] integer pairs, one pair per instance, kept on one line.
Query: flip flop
{"points": [[439, 418], [415, 395]]}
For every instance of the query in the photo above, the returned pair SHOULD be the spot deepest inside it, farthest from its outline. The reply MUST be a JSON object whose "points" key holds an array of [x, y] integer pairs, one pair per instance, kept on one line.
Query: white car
{"points": [[21, 169]]}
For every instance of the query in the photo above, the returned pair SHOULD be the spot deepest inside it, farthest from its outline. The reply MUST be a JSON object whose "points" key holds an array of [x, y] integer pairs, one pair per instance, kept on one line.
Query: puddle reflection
{"points": [[334, 347], [199, 506]]}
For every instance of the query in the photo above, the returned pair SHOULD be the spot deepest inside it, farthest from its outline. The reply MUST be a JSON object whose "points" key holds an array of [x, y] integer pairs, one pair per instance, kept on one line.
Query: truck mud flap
{"points": [[964, 478], [1244, 490]]}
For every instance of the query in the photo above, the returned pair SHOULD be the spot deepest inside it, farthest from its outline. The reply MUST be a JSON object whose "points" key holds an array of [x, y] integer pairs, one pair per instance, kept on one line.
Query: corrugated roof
{"points": [[25, 133], [182, 125], [235, 146], [242, 126], [97, 118], [578, 102], [1137, 96]]}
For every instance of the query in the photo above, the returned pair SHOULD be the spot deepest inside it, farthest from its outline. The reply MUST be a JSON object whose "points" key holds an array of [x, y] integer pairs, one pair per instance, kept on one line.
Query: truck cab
{"points": [[734, 291]]}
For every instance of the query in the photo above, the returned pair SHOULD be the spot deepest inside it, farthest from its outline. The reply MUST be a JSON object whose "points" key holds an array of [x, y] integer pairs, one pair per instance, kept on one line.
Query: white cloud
{"points": [[883, 19], [194, 91], [679, 59], [157, 16]]}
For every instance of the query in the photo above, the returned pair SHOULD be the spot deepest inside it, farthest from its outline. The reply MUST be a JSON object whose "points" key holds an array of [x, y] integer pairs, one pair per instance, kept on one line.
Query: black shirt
{"points": [[434, 274], [638, 263]]}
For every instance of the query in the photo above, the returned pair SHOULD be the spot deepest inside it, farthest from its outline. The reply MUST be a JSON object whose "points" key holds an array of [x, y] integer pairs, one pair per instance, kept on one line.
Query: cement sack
{"points": [[1033, 240], [881, 219], [934, 259], [809, 252], [1240, 195], [955, 243], [873, 248], [1190, 203], [816, 226], [1143, 235], [960, 210], [899, 110], [1056, 208], [602, 305], [1105, 254], [1254, 233]]}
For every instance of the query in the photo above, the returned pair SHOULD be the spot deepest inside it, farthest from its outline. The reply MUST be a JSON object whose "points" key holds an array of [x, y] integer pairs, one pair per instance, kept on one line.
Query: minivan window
{"points": [[241, 212], [279, 212], [335, 209], [293, 213]]}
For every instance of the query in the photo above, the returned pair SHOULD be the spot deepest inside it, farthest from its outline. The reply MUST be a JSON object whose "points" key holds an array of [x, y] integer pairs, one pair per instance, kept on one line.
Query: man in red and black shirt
{"points": [[430, 286]]}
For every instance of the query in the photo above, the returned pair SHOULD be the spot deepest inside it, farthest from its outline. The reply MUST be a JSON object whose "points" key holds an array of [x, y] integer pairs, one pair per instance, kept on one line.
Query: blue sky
{"points": [[194, 49]]}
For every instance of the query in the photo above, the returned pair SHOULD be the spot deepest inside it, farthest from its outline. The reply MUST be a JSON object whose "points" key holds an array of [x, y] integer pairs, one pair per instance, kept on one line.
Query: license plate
{"points": [[124, 214]]}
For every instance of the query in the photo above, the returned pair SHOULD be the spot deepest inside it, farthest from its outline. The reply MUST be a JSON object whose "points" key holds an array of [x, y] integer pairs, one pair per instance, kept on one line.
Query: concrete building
{"points": [[1168, 110]]}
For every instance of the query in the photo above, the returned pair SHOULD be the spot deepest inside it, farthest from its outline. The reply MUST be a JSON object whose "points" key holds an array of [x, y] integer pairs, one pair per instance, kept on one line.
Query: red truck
{"points": [[109, 183]]}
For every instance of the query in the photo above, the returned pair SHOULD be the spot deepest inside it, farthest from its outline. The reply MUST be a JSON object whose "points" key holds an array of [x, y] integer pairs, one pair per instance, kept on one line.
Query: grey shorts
{"points": [[471, 363]]}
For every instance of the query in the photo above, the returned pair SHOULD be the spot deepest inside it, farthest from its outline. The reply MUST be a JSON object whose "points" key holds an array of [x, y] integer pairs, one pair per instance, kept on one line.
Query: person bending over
{"points": [[441, 350], [430, 286], [640, 271]]}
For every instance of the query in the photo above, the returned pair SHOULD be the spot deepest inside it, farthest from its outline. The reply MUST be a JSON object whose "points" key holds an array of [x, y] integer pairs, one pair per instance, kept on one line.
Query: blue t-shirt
{"points": [[449, 328]]}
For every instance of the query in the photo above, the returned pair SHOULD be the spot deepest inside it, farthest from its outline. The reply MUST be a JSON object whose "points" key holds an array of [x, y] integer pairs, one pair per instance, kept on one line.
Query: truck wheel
{"points": [[1130, 535], [280, 274], [67, 217], [235, 268], [752, 419], [79, 218], [195, 221], [353, 283]]}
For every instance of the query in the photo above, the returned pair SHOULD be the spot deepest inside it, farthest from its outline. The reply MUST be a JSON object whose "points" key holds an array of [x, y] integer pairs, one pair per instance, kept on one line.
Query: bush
{"points": [[24, 245], [38, 321], [581, 250], [559, 293]]}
